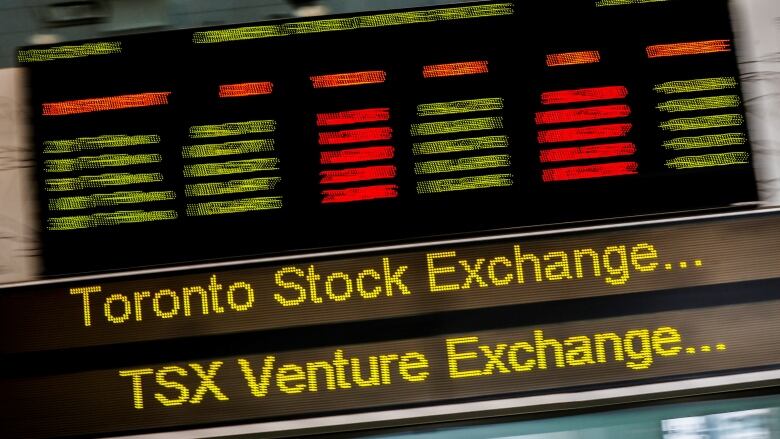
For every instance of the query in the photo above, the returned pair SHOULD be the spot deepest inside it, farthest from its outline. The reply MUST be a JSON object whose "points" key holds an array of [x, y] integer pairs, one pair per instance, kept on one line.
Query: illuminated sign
{"points": [[303, 336], [217, 143], [302, 291], [266, 384]]}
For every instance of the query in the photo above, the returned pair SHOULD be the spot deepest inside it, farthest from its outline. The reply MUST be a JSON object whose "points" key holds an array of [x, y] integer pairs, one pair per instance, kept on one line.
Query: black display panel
{"points": [[219, 143]]}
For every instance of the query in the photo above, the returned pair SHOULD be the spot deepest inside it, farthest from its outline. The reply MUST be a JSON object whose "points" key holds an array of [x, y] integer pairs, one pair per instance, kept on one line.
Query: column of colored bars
{"points": [[701, 122], [236, 171], [584, 134], [356, 153], [460, 145], [108, 179]]}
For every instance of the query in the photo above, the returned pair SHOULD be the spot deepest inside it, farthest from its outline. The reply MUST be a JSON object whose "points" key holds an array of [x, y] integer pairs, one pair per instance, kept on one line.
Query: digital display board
{"points": [[338, 131], [378, 285], [202, 390], [317, 335]]}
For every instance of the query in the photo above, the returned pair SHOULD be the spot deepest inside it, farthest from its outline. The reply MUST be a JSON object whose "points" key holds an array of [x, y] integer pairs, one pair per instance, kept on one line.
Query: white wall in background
{"points": [[18, 227], [757, 28]]}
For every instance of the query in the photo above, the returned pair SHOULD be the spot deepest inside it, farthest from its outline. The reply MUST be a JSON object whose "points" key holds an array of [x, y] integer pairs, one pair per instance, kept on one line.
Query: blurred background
{"points": [[749, 418]]}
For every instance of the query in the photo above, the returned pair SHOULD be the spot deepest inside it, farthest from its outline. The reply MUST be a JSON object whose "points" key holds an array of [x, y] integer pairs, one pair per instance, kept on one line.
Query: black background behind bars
{"points": [[515, 47]]}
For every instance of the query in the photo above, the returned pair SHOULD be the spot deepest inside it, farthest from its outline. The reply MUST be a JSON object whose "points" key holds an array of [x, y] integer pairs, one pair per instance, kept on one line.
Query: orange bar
{"points": [[455, 69], [245, 89], [349, 79], [573, 58], [691, 48], [105, 104]]}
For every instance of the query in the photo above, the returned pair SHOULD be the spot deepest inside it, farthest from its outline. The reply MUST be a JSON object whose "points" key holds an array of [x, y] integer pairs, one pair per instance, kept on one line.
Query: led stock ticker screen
{"points": [[346, 130], [318, 336]]}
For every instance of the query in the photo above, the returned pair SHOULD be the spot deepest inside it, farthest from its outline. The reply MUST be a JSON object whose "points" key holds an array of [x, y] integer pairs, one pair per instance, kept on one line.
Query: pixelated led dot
{"points": [[720, 347], [698, 263], [683, 265], [690, 350], [706, 348], [668, 266]]}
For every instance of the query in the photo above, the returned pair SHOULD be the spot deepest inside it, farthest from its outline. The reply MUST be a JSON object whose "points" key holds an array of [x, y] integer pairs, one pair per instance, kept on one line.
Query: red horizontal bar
{"points": [[356, 155], [591, 171], [582, 114], [689, 48], [105, 104], [349, 79], [360, 194], [353, 116], [587, 152], [584, 133], [357, 174], [584, 95], [573, 58], [455, 69], [245, 89], [356, 136]]}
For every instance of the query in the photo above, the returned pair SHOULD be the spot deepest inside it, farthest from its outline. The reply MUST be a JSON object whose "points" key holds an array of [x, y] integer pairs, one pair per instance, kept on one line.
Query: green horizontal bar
{"points": [[710, 141], [232, 129], [464, 184], [227, 168], [227, 148], [109, 219], [91, 143], [709, 160], [98, 181], [231, 187], [102, 161], [463, 164], [107, 200], [457, 126], [460, 145], [236, 206], [67, 52], [352, 23], [602, 3], [703, 122], [696, 85], [700, 104], [459, 107]]}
